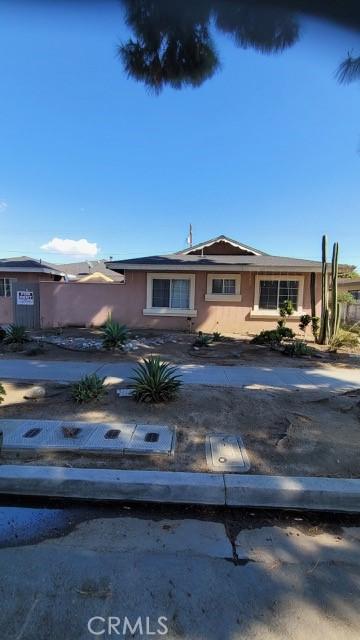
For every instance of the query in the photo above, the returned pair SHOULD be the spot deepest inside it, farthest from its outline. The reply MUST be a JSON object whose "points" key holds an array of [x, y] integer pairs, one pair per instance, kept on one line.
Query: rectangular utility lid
{"points": [[226, 453]]}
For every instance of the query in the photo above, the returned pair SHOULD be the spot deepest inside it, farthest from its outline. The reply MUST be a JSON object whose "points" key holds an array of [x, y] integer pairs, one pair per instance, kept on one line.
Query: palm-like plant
{"points": [[114, 334], [16, 334], [155, 381], [89, 388], [349, 70]]}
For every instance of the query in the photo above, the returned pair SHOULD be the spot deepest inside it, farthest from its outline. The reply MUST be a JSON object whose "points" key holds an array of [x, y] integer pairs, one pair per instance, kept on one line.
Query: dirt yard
{"points": [[178, 349], [285, 433]]}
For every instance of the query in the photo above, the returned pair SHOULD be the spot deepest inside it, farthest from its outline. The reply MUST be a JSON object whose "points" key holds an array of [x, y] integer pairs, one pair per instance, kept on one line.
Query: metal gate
{"points": [[26, 304]]}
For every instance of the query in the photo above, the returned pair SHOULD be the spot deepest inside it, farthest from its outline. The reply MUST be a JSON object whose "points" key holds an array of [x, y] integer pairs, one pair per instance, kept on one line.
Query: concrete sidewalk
{"points": [[329, 379]]}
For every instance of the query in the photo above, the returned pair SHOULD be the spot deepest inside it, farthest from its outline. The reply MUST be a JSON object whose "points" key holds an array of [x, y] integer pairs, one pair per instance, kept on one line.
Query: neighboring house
{"points": [[220, 284], [22, 274], [89, 271], [350, 285]]}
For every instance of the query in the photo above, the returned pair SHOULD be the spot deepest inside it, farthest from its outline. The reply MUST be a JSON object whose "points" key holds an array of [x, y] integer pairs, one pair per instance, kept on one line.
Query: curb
{"points": [[283, 492]]}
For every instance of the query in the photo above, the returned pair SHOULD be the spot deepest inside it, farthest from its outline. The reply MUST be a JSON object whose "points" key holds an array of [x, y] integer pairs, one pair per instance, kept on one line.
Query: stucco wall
{"points": [[76, 304]]}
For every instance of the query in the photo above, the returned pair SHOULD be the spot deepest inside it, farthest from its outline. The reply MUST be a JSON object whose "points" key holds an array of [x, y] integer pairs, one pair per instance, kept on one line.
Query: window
{"points": [[5, 288], [273, 293], [225, 286], [170, 295], [356, 295]]}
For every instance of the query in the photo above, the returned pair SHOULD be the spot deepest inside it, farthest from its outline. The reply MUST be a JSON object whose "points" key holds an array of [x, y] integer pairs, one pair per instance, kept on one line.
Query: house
{"points": [[19, 282], [218, 285], [89, 271], [350, 285]]}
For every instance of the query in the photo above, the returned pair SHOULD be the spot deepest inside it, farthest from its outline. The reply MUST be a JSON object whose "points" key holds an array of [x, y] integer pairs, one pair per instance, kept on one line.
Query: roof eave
{"points": [[296, 268]]}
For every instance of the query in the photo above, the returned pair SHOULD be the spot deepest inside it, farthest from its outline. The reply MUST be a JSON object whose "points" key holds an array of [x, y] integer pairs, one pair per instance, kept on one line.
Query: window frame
{"points": [[276, 276], [10, 281], [169, 311], [223, 297]]}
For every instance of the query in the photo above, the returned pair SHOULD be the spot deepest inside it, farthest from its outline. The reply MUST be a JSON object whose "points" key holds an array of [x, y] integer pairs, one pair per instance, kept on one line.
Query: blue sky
{"points": [[266, 152]]}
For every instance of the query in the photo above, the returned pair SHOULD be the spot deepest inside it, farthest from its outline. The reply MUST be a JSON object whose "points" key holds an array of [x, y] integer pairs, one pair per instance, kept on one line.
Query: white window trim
{"points": [[265, 313], [11, 281], [223, 297], [191, 312]]}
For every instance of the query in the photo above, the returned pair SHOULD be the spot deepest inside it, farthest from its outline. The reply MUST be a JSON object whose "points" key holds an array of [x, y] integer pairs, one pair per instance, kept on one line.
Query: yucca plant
{"points": [[2, 393], [114, 334], [16, 334], [202, 340], [88, 388], [216, 336], [155, 381]]}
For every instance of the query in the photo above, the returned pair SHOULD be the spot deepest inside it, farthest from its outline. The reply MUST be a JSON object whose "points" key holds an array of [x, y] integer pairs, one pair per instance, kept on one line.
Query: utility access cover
{"points": [[151, 438], [226, 453], [108, 438]]}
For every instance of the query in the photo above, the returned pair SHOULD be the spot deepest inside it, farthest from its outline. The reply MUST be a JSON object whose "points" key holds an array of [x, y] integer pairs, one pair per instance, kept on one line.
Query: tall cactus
{"points": [[325, 319], [335, 306]]}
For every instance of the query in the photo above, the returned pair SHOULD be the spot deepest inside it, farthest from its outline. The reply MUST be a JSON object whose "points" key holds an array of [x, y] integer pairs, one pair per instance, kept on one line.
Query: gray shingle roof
{"points": [[30, 264], [173, 260], [87, 267]]}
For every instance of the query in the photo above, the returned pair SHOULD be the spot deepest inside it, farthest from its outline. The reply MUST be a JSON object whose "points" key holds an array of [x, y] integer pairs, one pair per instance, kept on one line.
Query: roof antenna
{"points": [[190, 237]]}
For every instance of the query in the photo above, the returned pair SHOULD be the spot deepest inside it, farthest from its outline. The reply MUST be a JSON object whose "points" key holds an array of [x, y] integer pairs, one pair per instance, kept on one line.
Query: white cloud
{"points": [[65, 246], [3, 206]]}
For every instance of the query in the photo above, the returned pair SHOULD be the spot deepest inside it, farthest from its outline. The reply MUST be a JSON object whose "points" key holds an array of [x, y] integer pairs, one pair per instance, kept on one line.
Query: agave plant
{"points": [[16, 334], [155, 381], [88, 388], [114, 334], [2, 393]]}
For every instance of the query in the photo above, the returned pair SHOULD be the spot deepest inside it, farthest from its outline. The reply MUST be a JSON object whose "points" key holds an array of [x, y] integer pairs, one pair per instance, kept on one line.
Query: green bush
{"points": [[346, 297], [2, 334], [315, 327], [296, 349], [16, 334], [114, 335], [305, 320], [155, 381], [88, 388], [216, 336], [343, 339], [273, 336], [202, 340], [2, 393]]}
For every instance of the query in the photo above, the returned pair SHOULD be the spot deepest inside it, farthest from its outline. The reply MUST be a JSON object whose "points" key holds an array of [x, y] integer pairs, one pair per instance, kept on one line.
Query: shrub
{"points": [[16, 334], [155, 381], [296, 349], [346, 297], [88, 388], [203, 340], [216, 336], [286, 310], [273, 336], [2, 334], [315, 327], [343, 339], [304, 322], [2, 393], [114, 334]]}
